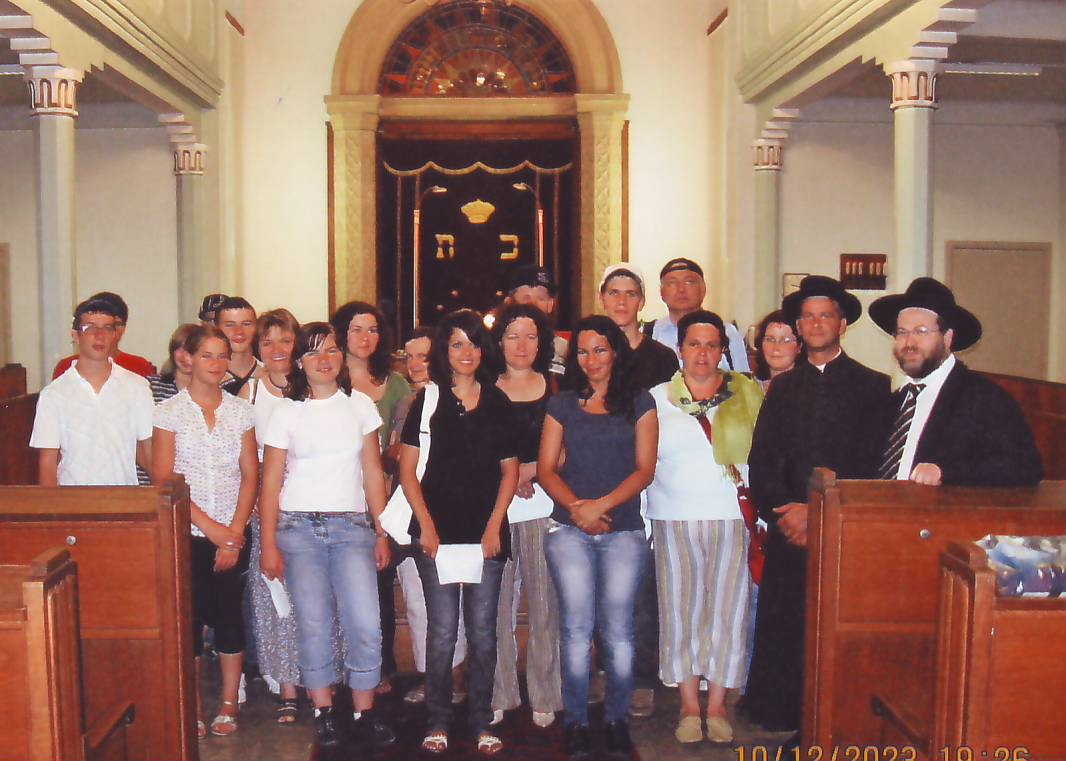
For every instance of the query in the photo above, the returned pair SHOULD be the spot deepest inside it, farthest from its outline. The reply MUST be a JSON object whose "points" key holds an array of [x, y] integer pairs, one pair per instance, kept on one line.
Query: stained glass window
{"points": [[476, 48]]}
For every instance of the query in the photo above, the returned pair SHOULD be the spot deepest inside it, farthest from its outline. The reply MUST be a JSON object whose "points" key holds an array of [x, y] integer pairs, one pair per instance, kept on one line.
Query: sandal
{"points": [[287, 710], [435, 742], [489, 744], [201, 729], [384, 687], [224, 725]]}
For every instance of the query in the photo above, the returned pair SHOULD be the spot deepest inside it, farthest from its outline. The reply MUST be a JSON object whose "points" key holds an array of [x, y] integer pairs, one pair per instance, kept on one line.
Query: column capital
{"points": [[594, 103], [189, 158], [360, 113], [767, 154], [53, 90], [913, 83]]}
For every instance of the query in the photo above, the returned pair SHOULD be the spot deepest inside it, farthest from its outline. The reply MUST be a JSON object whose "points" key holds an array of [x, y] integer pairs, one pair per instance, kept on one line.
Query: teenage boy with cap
{"points": [[830, 412], [131, 362], [952, 425], [209, 306], [94, 422], [683, 289], [534, 285]]}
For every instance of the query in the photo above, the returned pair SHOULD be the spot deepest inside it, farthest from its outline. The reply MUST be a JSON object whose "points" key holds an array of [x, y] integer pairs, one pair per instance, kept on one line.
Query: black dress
{"points": [[836, 419]]}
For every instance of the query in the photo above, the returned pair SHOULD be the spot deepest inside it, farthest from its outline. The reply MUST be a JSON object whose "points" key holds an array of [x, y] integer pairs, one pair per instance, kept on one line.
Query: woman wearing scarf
{"points": [[706, 419]]}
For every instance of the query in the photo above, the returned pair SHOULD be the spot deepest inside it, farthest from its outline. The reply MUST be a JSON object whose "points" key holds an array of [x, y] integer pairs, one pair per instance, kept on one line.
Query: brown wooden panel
{"points": [[1044, 405], [117, 670], [14, 737], [12, 380], [18, 463], [531, 129]]}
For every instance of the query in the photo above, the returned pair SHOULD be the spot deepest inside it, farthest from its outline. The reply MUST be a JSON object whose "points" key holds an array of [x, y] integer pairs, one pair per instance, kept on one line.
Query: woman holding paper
{"points": [[323, 490], [526, 344], [596, 545], [460, 520]]}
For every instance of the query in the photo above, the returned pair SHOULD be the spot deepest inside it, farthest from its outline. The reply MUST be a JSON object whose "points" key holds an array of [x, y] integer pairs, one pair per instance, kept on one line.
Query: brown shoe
{"points": [[642, 703]]}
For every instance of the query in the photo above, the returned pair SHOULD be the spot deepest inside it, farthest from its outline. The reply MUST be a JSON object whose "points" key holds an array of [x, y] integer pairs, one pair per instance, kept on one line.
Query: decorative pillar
{"points": [[189, 161], [767, 155], [354, 121], [53, 98], [913, 101], [600, 119]]}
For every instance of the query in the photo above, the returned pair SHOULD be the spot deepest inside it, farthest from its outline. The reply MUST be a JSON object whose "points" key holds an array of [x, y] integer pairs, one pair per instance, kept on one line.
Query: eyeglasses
{"points": [[901, 334], [786, 340], [88, 327]]}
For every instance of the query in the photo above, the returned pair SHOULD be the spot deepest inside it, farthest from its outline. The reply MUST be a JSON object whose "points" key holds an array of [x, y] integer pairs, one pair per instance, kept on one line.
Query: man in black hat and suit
{"points": [[952, 425], [831, 412]]}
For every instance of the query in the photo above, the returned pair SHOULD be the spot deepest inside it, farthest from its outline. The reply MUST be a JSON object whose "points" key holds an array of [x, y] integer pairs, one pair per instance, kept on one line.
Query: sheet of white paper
{"points": [[459, 563], [540, 505], [396, 518], [279, 595]]}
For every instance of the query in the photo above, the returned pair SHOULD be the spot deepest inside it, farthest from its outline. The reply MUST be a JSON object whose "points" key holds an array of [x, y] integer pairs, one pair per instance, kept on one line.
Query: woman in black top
{"points": [[526, 344], [462, 498]]}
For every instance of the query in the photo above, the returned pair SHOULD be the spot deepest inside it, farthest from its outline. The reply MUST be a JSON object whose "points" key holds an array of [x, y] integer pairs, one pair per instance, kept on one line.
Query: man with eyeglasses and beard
{"points": [[93, 422], [952, 425]]}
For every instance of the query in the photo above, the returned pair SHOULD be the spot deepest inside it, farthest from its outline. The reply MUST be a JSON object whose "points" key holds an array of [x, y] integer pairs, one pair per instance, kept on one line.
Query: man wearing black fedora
{"points": [[952, 426], [831, 412]]}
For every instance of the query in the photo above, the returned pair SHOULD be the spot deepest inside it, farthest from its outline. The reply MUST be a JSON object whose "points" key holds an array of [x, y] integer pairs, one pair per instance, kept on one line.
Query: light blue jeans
{"points": [[596, 578], [330, 571]]}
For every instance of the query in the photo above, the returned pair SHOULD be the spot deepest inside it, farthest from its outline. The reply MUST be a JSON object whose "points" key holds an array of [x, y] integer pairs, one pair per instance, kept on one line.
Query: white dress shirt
{"points": [[665, 332], [96, 434], [922, 409]]}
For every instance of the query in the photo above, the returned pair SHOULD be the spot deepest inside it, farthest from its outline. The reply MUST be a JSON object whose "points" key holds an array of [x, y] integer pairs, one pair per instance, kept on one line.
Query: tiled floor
{"points": [[260, 737]]}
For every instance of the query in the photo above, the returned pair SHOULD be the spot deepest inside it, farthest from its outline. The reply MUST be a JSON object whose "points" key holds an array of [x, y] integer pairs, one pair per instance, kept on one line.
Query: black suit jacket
{"points": [[977, 435]]}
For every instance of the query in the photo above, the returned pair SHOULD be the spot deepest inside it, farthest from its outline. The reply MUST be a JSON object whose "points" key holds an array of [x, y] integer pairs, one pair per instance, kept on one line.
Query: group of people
{"points": [[643, 488]]}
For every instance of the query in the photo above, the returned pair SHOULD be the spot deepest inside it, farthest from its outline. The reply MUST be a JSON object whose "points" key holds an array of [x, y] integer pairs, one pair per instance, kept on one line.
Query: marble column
{"points": [[767, 155], [53, 98], [189, 158], [913, 102], [600, 119], [354, 121]]}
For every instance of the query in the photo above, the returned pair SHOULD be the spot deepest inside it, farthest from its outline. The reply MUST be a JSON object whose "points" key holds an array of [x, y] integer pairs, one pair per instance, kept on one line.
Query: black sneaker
{"points": [[369, 729], [618, 741], [577, 743], [326, 727]]}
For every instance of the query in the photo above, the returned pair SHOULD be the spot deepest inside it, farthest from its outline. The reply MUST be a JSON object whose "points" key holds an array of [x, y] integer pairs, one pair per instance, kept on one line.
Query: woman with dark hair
{"points": [[525, 343], [323, 491], [208, 436], [462, 498], [777, 347], [177, 370], [596, 545], [701, 541], [368, 358]]}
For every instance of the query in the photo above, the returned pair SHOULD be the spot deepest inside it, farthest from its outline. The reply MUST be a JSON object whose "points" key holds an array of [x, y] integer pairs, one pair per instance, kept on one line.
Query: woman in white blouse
{"points": [[323, 491], [208, 436], [706, 420]]}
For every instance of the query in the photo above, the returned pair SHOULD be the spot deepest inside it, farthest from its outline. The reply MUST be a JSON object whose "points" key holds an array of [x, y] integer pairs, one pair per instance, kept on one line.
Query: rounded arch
{"points": [[577, 24]]}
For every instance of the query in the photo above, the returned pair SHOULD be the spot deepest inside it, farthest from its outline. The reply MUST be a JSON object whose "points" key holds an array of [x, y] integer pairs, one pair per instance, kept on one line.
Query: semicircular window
{"points": [[476, 48]]}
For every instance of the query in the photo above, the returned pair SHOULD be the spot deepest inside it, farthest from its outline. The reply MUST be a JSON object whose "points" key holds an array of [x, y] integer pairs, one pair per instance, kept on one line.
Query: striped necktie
{"points": [[894, 450]]}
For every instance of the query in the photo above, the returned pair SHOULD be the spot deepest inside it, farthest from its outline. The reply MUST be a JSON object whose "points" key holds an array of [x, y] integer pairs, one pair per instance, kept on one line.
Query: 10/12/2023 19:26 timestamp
{"points": [[877, 753]]}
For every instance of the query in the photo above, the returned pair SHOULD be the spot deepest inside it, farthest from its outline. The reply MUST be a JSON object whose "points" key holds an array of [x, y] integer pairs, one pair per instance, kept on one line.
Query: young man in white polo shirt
{"points": [[93, 422]]}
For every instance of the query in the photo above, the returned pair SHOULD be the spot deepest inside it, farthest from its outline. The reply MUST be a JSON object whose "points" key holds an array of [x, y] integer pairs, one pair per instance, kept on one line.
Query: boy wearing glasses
{"points": [[93, 422], [131, 362]]}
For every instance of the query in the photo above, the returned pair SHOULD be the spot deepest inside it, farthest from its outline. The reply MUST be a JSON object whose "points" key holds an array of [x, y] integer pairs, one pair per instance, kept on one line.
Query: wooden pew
{"points": [[1044, 405], [18, 462], [12, 380], [131, 545], [873, 566]]}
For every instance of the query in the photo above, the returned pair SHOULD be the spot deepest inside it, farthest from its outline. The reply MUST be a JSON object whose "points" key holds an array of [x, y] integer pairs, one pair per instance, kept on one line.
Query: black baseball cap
{"points": [[534, 277], [210, 305], [678, 264]]}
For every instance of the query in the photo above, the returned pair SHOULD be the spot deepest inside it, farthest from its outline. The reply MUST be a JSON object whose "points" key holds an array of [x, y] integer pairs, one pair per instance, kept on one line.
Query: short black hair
{"points": [[118, 301], [95, 305], [707, 317], [545, 335], [471, 323], [232, 302], [422, 331]]}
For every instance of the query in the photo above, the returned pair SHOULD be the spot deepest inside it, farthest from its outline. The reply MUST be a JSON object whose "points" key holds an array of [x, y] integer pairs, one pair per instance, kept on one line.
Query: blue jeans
{"points": [[479, 605], [330, 571], [596, 578]]}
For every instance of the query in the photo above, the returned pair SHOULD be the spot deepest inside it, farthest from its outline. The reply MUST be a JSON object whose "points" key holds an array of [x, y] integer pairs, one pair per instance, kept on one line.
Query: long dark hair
{"points": [[310, 337], [380, 362], [545, 336], [470, 322], [622, 388], [762, 370]]}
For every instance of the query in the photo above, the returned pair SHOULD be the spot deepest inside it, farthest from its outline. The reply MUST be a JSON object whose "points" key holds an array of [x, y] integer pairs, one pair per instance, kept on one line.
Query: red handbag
{"points": [[756, 533]]}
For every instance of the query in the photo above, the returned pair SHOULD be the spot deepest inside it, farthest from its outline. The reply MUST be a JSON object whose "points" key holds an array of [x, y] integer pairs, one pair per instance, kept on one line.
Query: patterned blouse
{"points": [[209, 460]]}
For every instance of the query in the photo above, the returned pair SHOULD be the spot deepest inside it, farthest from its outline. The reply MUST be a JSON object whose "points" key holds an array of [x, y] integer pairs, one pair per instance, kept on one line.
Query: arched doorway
{"points": [[388, 83]]}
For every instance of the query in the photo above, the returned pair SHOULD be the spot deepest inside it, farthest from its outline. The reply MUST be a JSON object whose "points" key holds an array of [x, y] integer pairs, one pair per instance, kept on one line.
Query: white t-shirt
{"points": [[689, 485], [210, 460], [324, 442], [96, 434], [264, 404]]}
